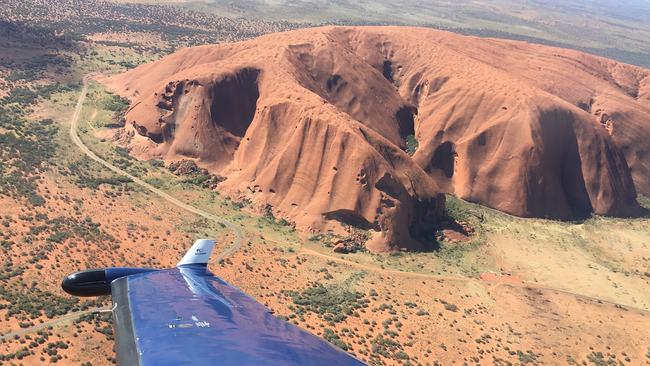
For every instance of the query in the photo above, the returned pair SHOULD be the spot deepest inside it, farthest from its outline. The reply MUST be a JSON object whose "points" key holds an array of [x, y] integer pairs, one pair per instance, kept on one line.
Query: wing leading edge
{"points": [[188, 316]]}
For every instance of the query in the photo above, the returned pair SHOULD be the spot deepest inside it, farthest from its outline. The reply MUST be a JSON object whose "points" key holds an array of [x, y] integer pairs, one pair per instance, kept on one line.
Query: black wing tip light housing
{"points": [[97, 282]]}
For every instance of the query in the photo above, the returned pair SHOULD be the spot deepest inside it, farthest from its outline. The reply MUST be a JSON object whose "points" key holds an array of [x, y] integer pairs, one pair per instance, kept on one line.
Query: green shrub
{"points": [[335, 304], [334, 339], [644, 201], [451, 307], [530, 357], [157, 163], [456, 209], [23, 96], [385, 346], [412, 144], [116, 103]]}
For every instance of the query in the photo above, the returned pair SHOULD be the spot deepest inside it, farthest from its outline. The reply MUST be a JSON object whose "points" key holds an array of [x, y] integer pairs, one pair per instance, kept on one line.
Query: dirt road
{"points": [[164, 195], [493, 284], [167, 197], [51, 323]]}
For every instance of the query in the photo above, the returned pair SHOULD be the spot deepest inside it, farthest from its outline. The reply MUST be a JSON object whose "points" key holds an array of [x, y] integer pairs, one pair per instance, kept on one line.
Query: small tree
{"points": [[412, 144]]}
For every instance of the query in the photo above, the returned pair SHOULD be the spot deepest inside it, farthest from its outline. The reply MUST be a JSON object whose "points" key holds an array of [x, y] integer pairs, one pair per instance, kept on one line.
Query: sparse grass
{"points": [[458, 210]]}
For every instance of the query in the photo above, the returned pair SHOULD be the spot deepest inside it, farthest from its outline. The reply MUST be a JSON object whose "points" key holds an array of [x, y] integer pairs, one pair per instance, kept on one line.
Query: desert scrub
{"points": [[94, 183], [240, 204], [527, 357], [334, 339], [34, 302], [26, 147], [116, 103], [25, 150], [60, 228], [449, 306], [19, 355], [386, 347], [332, 303], [81, 170]]}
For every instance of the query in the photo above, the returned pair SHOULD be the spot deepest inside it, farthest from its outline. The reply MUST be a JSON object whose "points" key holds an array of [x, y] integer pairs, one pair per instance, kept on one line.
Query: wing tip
{"points": [[199, 253]]}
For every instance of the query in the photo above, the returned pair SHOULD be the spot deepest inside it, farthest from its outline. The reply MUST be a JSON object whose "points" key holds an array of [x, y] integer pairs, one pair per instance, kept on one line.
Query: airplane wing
{"points": [[188, 316]]}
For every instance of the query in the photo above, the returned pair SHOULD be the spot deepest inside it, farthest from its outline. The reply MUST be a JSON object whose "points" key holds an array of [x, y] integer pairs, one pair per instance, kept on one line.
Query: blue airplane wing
{"points": [[188, 316]]}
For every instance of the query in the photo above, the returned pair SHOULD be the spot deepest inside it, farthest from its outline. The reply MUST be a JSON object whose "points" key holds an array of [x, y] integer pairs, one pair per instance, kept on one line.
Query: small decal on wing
{"points": [[200, 324]]}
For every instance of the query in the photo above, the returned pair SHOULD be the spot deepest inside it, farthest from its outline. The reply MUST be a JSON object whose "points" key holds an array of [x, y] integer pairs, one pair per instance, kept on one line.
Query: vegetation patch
{"points": [[334, 339], [25, 150], [83, 175], [644, 201], [94, 183], [387, 347], [412, 144], [354, 241], [599, 359], [34, 302], [102, 323], [60, 228], [457, 210], [332, 303], [115, 103], [527, 357], [194, 175], [269, 218]]}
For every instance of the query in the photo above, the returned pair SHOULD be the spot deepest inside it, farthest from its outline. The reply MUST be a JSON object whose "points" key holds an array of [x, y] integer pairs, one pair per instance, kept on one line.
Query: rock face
{"points": [[315, 123]]}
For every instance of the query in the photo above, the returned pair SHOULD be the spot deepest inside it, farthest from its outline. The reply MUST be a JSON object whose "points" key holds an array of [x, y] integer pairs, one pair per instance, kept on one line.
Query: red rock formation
{"points": [[315, 123]]}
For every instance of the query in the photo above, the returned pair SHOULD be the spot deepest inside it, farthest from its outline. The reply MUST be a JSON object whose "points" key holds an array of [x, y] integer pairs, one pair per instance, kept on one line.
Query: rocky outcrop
{"points": [[315, 122]]}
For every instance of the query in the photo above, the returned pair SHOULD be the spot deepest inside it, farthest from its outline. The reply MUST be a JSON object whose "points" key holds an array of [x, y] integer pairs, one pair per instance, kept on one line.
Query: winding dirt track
{"points": [[164, 195], [493, 284], [74, 122], [51, 323]]}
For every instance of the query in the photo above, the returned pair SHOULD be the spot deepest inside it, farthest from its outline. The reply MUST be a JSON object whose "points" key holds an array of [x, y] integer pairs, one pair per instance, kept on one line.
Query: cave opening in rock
{"points": [[444, 157], [234, 101], [387, 70], [406, 120]]}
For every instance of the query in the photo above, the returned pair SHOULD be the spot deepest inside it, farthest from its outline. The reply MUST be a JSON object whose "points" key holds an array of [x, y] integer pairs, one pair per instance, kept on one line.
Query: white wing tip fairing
{"points": [[199, 253]]}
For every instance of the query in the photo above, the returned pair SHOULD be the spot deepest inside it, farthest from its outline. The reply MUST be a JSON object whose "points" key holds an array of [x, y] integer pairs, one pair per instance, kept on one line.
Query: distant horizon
{"points": [[621, 32]]}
